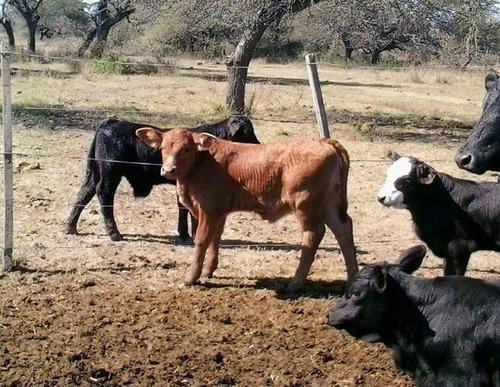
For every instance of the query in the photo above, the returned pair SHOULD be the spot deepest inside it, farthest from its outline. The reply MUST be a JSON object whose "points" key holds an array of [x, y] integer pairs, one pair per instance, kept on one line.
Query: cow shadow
{"points": [[281, 81], [316, 289], [229, 243], [22, 72], [150, 238]]}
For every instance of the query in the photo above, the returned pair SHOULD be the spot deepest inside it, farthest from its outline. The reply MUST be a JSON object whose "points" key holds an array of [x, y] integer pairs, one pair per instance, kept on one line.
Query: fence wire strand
{"points": [[210, 68], [225, 67]]}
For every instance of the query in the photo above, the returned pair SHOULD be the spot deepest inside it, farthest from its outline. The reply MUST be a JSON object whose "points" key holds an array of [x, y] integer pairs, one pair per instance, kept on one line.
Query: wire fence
{"points": [[20, 153], [224, 67]]}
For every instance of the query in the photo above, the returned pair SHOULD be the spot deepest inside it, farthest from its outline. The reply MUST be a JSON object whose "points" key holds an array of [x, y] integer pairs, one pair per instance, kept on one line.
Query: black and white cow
{"points": [[116, 152], [454, 217], [444, 331]]}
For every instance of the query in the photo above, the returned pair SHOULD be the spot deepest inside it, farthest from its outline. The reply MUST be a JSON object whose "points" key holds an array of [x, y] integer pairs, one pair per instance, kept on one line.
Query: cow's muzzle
{"points": [[468, 161], [168, 172]]}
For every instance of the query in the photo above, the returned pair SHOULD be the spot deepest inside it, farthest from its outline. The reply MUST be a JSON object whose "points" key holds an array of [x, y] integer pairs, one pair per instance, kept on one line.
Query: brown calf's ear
{"points": [[204, 140], [150, 136], [490, 80], [425, 174]]}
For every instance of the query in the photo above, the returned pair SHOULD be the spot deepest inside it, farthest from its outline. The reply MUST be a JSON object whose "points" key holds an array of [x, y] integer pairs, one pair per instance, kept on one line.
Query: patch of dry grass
{"points": [[274, 91]]}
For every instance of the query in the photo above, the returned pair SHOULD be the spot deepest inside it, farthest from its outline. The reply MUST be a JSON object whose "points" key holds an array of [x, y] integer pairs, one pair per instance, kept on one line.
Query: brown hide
{"points": [[217, 177]]}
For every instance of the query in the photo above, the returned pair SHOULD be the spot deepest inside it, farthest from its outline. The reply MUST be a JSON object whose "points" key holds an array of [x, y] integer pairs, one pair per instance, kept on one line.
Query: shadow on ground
{"points": [[56, 118], [228, 243], [314, 289], [279, 81]]}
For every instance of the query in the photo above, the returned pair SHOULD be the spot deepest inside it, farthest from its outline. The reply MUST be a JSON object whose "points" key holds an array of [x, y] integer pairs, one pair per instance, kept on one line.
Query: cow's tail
{"points": [[91, 175], [344, 175]]}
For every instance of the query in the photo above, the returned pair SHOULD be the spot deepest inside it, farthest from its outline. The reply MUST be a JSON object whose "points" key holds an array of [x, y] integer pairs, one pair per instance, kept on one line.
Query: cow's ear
{"points": [[379, 279], [410, 260], [394, 156], [425, 174], [204, 140], [490, 80], [150, 136]]}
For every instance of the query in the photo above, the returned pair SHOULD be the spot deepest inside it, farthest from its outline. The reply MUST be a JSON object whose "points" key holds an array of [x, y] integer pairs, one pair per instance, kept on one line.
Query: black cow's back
{"points": [[116, 140]]}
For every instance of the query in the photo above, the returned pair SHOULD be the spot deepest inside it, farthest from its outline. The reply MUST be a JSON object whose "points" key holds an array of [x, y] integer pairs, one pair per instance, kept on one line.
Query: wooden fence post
{"points": [[319, 107], [7, 157]]}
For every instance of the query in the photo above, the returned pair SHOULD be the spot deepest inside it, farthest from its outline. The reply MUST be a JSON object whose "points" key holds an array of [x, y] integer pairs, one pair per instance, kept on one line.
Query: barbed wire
{"points": [[44, 155], [223, 67], [164, 207], [349, 66], [40, 246], [117, 62], [141, 112], [42, 202]]}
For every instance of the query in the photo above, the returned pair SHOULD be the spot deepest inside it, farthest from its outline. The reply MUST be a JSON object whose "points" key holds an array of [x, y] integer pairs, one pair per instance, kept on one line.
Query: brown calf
{"points": [[217, 177]]}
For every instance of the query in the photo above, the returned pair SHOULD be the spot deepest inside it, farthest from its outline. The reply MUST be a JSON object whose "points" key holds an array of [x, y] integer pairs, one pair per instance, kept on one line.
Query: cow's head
{"points": [[407, 178], [178, 148], [241, 130], [481, 151], [365, 310]]}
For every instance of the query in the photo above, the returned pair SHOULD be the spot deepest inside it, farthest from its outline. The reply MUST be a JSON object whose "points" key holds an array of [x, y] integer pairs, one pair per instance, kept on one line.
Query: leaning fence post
{"points": [[319, 107], [7, 158]]}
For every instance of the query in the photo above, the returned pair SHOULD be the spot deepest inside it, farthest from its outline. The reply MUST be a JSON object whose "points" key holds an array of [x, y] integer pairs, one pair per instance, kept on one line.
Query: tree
{"points": [[375, 26], [64, 17], [474, 25], [270, 12], [104, 14], [29, 11], [6, 22]]}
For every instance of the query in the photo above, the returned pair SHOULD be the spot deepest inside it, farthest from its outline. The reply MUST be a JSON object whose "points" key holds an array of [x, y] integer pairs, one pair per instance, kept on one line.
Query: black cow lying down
{"points": [[454, 217], [115, 142], [445, 331]]}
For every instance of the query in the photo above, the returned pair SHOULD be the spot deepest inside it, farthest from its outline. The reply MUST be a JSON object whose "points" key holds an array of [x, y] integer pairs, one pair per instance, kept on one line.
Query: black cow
{"points": [[454, 217], [117, 152], [445, 330], [481, 151]]}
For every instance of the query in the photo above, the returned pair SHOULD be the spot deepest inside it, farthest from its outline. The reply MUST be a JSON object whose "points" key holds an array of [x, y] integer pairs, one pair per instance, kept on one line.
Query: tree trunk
{"points": [[101, 38], [375, 56], [243, 53], [348, 53], [32, 35], [7, 25], [347, 46], [87, 41], [237, 69]]}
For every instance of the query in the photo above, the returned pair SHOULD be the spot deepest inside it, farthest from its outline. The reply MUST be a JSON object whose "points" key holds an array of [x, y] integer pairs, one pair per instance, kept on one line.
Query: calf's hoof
{"points": [[185, 240], [189, 283], [71, 230], [294, 287], [115, 237], [207, 273]]}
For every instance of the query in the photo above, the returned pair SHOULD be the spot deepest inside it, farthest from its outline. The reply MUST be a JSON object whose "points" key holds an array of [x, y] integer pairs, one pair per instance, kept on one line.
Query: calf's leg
{"points": [[312, 234], [182, 223], [213, 251], [461, 263], [207, 228], [194, 225], [449, 266], [342, 229], [459, 253], [106, 190], [85, 195]]}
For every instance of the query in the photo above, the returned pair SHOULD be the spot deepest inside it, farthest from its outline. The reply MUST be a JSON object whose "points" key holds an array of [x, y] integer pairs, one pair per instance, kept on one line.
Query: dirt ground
{"points": [[82, 310]]}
